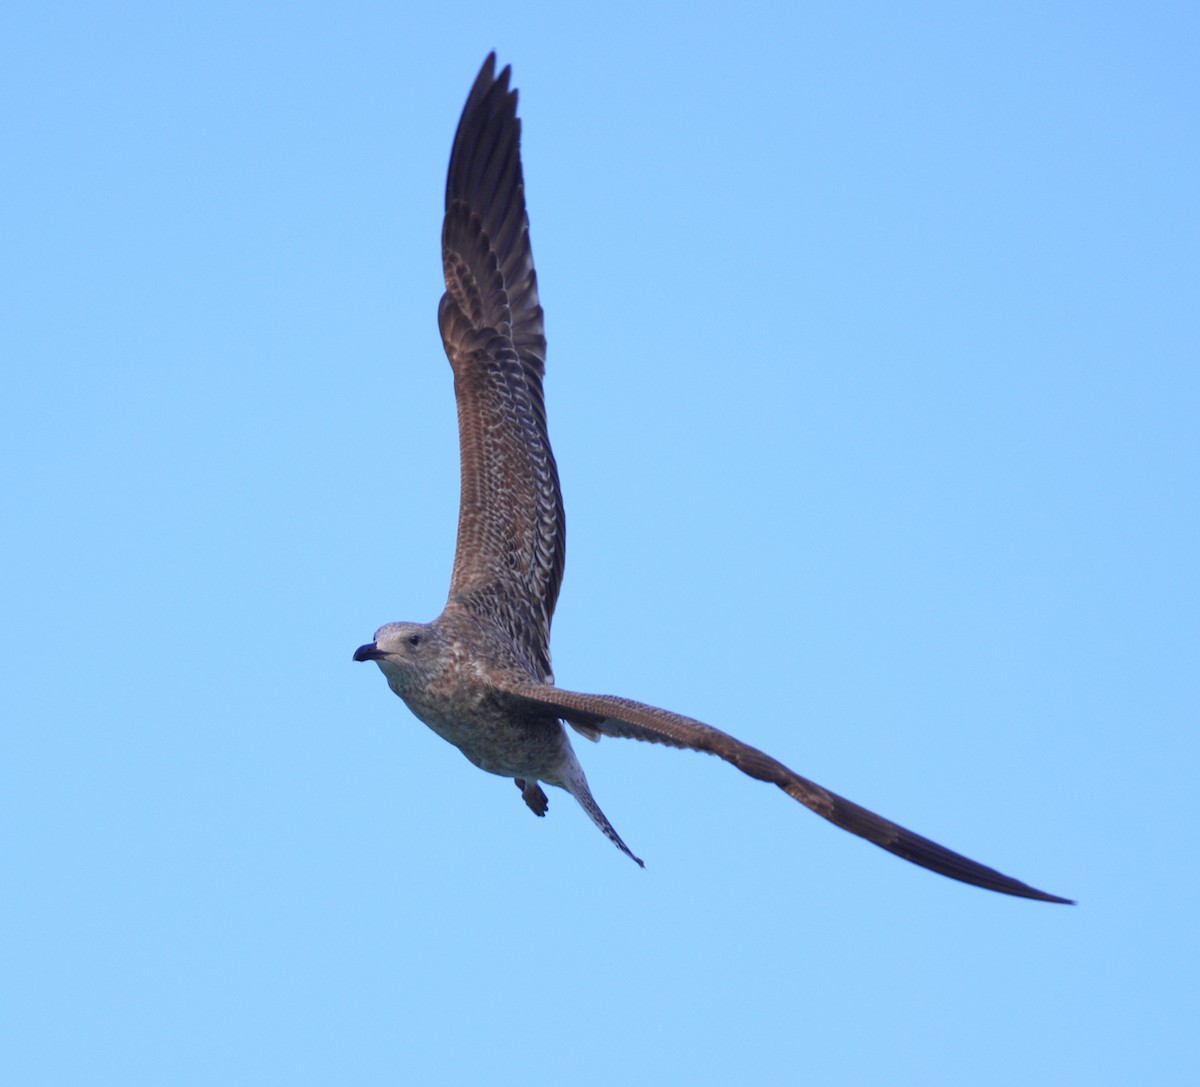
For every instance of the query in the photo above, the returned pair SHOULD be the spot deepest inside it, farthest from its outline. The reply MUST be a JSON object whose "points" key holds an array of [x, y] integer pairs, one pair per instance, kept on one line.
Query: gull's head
{"points": [[403, 651], [396, 642]]}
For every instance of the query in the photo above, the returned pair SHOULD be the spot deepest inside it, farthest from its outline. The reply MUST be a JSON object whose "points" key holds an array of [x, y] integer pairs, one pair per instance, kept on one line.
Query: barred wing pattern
{"points": [[508, 563], [614, 716]]}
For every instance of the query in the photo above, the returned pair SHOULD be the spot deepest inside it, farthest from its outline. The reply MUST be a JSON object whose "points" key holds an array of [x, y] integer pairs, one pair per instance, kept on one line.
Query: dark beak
{"points": [[367, 652]]}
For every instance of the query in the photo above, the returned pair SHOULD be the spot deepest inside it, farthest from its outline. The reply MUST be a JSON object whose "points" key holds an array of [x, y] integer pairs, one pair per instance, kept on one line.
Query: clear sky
{"points": [[873, 384]]}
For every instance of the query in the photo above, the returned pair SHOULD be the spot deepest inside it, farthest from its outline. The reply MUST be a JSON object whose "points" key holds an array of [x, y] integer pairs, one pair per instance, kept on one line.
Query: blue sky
{"points": [[873, 386]]}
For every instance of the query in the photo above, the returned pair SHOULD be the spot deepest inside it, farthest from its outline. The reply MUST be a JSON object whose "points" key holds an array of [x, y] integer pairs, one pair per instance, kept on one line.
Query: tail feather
{"points": [[576, 784]]}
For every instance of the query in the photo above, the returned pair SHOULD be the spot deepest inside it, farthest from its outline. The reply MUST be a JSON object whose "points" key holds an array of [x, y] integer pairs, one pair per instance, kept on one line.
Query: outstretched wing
{"points": [[613, 716], [508, 564]]}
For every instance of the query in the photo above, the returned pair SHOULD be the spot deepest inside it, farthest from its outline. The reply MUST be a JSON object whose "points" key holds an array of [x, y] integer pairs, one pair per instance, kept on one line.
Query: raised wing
{"points": [[613, 716], [508, 564]]}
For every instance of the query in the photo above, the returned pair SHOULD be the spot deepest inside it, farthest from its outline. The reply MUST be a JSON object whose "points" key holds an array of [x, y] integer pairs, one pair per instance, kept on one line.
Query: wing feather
{"points": [[615, 716], [508, 563]]}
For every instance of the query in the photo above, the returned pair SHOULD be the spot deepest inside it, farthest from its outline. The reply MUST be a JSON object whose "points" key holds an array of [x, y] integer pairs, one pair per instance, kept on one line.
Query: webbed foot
{"points": [[533, 796]]}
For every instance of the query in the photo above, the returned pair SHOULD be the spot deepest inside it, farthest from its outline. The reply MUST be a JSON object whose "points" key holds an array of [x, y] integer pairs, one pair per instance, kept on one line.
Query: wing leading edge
{"points": [[615, 716]]}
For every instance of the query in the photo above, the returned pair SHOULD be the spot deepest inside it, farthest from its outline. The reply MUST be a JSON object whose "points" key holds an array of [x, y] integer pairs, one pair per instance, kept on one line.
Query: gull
{"points": [[479, 675]]}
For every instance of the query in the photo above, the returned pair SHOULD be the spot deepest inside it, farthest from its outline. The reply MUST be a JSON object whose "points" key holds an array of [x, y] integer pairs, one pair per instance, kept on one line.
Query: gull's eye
{"points": [[414, 639]]}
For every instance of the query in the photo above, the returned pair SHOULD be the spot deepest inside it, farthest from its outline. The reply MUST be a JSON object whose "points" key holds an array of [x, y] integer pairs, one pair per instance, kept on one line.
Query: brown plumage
{"points": [[508, 564], [479, 675]]}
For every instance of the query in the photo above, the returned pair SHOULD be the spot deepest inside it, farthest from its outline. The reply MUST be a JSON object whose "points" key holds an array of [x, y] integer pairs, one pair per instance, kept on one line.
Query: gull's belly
{"points": [[498, 742]]}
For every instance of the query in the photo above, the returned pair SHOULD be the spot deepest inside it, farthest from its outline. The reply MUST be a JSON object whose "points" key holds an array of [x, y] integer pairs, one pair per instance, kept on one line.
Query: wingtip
{"points": [[1059, 901], [488, 75], [1009, 886]]}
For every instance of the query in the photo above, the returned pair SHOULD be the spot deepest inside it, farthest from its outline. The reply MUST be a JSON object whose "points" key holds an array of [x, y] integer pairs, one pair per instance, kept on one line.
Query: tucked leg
{"points": [[533, 796]]}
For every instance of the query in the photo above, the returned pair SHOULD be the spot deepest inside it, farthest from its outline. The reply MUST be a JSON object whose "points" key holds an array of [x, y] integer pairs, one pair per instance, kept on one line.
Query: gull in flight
{"points": [[479, 674]]}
